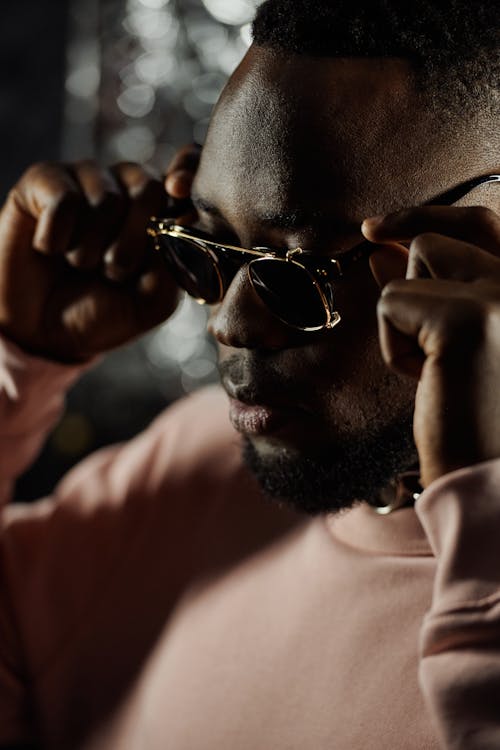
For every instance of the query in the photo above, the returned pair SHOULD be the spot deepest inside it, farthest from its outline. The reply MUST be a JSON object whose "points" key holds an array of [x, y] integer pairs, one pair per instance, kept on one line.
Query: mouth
{"points": [[264, 405], [255, 413], [257, 419]]}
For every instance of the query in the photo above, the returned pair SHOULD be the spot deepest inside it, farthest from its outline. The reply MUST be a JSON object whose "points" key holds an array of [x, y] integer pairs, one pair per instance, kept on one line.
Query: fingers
{"points": [[452, 243], [441, 320], [146, 197], [439, 257], [50, 196], [181, 172], [440, 326], [93, 216], [388, 262], [156, 296], [476, 225], [99, 221], [97, 316]]}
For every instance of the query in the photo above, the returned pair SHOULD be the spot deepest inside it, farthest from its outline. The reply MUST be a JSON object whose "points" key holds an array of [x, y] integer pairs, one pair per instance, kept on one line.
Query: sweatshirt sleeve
{"points": [[460, 637], [32, 392]]}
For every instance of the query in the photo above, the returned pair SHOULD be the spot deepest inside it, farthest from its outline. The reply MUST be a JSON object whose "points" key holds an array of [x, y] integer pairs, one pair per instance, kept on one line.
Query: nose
{"points": [[242, 320]]}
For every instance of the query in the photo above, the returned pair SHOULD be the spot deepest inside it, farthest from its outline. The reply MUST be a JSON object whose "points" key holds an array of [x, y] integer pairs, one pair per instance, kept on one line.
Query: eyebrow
{"points": [[292, 220]]}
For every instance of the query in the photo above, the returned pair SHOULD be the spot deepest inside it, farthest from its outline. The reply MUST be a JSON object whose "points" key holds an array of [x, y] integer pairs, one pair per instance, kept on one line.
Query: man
{"points": [[158, 600]]}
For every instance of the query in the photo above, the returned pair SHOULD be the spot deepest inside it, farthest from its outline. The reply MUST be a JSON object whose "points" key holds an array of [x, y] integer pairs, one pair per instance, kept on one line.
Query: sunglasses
{"points": [[297, 287]]}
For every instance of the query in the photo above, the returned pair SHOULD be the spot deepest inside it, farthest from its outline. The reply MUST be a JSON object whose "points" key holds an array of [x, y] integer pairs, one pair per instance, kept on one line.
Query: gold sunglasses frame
{"points": [[323, 271]]}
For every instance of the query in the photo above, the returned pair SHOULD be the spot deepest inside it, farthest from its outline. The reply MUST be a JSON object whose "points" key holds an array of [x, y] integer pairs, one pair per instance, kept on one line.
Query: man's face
{"points": [[299, 152]]}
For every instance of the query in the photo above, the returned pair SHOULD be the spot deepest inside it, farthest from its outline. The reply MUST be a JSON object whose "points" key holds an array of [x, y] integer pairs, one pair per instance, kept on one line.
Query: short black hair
{"points": [[453, 46]]}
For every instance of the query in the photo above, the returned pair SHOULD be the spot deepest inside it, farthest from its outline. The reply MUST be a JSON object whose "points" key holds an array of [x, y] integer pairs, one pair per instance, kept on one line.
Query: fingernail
{"points": [[178, 183], [372, 222]]}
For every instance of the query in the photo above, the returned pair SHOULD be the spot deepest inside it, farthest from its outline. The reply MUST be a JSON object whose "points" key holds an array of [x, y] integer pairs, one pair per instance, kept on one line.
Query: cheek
{"points": [[356, 298], [354, 344], [362, 391], [367, 396]]}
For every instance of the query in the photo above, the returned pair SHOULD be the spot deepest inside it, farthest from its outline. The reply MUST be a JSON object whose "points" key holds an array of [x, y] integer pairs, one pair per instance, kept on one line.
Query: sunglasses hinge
{"points": [[292, 253], [338, 266]]}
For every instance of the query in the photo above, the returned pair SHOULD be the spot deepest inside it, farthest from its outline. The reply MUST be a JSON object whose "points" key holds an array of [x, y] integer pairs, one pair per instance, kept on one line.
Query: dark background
{"points": [[161, 66], [33, 51], [33, 43]]}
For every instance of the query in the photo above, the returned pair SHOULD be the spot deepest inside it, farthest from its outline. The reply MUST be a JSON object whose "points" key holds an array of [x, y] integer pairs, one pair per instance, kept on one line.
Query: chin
{"points": [[335, 476]]}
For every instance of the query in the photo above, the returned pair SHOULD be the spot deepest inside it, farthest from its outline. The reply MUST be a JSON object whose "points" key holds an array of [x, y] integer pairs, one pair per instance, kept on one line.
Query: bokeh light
{"points": [[234, 12], [142, 79]]}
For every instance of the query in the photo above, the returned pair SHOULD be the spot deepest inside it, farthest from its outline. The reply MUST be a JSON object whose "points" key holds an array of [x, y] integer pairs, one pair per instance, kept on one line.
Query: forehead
{"points": [[316, 134]]}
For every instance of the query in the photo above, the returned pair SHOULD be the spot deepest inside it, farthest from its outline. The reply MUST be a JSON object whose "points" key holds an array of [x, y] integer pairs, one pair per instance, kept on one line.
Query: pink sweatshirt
{"points": [[157, 602]]}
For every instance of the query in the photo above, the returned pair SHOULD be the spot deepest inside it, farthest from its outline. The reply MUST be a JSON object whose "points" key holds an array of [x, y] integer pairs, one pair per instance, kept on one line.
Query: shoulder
{"points": [[130, 504], [133, 525], [179, 465]]}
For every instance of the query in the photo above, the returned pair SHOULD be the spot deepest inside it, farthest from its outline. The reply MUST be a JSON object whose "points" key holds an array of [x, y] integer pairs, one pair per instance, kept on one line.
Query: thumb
{"points": [[181, 172], [388, 262], [178, 184]]}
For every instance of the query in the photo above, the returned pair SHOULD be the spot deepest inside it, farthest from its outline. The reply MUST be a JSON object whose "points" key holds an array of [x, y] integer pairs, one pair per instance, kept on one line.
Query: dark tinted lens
{"points": [[194, 269], [289, 292]]}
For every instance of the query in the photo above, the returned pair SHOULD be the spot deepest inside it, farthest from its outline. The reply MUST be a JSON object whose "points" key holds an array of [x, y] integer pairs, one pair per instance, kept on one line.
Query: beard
{"points": [[346, 472]]}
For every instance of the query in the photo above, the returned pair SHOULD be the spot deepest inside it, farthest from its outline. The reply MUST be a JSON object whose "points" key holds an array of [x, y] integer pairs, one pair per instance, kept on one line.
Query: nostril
{"points": [[227, 326]]}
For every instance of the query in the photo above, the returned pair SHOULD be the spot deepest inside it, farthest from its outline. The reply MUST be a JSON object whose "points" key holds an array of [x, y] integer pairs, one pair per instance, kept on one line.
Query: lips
{"points": [[257, 419], [264, 402], [255, 411]]}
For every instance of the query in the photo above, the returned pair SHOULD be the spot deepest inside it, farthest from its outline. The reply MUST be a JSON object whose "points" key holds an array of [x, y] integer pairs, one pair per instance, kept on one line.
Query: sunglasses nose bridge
{"points": [[229, 267], [279, 293]]}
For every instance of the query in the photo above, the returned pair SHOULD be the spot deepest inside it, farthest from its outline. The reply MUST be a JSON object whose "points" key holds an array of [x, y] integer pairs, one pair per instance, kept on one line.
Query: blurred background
{"points": [[116, 80]]}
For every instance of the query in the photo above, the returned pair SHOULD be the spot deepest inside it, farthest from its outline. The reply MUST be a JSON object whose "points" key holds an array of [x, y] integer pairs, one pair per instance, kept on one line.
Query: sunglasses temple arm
{"points": [[363, 250], [445, 199], [452, 196]]}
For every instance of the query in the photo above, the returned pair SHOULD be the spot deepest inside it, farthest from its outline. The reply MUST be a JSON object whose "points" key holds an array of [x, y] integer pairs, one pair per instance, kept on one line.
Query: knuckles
{"points": [[45, 185], [456, 325], [424, 255], [65, 184], [72, 191], [83, 206], [424, 242], [40, 169], [423, 248], [486, 218]]}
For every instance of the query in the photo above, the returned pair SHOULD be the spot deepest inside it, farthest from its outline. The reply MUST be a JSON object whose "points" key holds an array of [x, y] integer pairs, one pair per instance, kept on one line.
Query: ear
{"points": [[388, 262]]}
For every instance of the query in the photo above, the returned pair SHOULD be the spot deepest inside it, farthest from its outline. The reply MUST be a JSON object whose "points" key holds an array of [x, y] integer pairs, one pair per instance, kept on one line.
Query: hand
{"points": [[77, 276], [181, 173], [442, 326]]}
